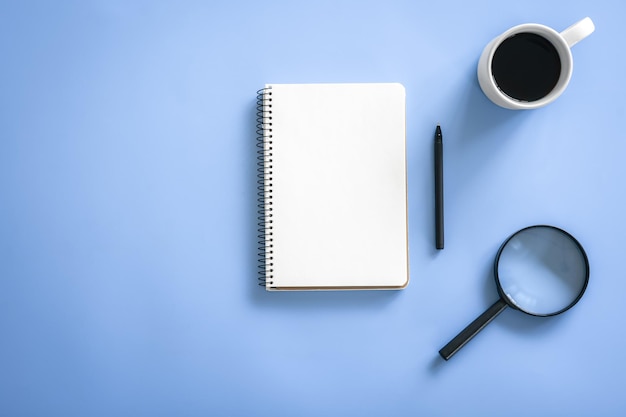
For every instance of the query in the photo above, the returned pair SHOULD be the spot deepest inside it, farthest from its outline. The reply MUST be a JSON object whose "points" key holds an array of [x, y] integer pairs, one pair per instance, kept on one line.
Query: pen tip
{"points": [[438, 131]]}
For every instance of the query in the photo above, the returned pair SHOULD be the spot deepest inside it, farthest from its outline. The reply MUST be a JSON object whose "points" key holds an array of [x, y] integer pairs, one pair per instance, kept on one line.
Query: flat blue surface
{"points": [[128, 214]]}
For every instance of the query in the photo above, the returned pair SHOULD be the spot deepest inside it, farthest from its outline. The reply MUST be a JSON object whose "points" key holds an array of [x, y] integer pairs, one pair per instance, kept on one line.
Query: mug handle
{"points": [[578, 31]]}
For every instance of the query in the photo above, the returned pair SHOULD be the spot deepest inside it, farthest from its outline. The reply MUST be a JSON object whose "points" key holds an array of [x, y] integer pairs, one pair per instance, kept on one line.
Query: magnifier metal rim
{"points": [[510, 302]]}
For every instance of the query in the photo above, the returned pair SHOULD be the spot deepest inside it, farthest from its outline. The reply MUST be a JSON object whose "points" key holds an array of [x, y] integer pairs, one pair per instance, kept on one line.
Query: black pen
{"points": [[438, 188]]}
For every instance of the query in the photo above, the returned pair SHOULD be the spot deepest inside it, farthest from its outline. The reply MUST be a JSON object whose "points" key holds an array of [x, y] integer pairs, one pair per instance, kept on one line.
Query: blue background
{"points": [[128, 213]]}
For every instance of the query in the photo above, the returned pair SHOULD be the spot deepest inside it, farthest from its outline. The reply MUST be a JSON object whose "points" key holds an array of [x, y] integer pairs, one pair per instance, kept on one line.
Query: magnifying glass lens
{"points": [[542, 270]]}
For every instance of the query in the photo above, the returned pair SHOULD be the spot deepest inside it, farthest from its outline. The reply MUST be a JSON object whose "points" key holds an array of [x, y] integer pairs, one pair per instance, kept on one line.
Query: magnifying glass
{"points": [[539, 270]]}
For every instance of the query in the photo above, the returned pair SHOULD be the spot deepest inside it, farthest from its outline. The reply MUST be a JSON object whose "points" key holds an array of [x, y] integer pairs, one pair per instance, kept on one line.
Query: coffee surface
{"points": [[526, 66]]}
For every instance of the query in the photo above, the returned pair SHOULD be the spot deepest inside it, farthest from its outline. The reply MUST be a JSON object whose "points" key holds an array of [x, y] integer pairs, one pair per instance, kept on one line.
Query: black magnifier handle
{"points": [[472, 329]]}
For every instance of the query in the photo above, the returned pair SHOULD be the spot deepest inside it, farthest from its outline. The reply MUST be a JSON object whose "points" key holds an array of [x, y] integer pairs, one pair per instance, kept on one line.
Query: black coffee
{"points": [[526, 66]]}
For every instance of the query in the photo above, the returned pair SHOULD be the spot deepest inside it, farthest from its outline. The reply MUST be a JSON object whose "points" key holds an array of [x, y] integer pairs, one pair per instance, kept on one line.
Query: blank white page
{"points": [[338, 187]]}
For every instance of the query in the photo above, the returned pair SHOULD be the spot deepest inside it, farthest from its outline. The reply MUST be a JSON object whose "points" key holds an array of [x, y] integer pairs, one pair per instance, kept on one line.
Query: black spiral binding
{"points": [[264, 181]]}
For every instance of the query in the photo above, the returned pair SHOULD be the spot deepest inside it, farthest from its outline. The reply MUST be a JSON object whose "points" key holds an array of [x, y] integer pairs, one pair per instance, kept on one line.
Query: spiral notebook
{"points": [[332, 186]]}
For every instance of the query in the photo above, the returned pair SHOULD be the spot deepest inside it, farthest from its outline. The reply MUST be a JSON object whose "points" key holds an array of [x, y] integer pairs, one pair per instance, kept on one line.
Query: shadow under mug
{"points": [[529, 65]]}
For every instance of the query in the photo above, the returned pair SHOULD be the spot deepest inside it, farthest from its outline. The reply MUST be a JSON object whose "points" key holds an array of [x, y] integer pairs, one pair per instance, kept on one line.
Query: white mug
{"points": [[520, 68]]}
